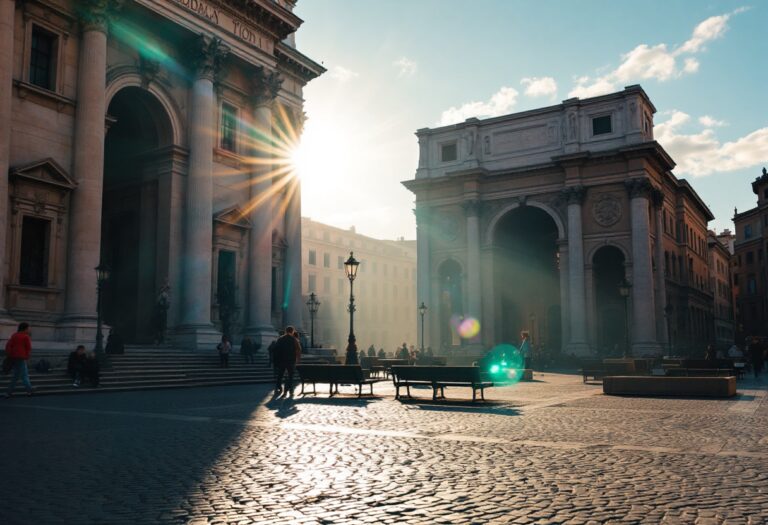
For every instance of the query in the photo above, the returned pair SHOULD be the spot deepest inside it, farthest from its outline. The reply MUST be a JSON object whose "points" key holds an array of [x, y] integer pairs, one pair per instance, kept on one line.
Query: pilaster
{"points": [[577, 343]]}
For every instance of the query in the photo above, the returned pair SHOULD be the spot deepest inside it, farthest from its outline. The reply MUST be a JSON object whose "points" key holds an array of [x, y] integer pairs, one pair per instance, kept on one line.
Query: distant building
{"points": [[385, 288], [533, 220], [749, 273], [720, 284]]}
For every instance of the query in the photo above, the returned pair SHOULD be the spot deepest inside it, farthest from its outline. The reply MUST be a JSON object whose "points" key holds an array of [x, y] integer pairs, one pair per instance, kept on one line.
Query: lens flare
{"points": [[468, 328], [506, 364]]}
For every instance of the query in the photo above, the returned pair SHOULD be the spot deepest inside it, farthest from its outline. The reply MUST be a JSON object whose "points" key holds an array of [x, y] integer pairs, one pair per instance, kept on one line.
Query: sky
{"points": [[395, 66]]}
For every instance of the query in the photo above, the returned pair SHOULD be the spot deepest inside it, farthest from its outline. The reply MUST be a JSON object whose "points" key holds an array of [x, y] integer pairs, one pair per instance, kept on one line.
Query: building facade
{"points": [[385, 287], [533, 220], [151, 137], [750, 277], [720, 283]]}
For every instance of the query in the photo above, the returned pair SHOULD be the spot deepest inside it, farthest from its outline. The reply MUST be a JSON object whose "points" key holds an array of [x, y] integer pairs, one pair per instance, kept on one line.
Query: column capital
{"points": [[472, 207], [423, 215], [266, 86], [638, 188], [95, 15], [574, 194], [206, 56]]}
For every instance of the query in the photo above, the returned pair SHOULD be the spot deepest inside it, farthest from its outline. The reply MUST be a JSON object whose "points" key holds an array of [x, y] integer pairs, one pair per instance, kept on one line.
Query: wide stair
{"points": [[148, 370]]}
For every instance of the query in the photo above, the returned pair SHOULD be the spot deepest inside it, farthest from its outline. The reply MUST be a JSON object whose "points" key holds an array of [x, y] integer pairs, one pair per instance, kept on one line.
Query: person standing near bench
{"points": [[18, 349], [285, 355], [525, 349]]}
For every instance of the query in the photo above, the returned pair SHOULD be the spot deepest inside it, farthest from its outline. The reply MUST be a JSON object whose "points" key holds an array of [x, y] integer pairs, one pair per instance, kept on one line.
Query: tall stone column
{"points": [[577, 304], [565, 319], [7, 19], [472, 210], [660, 276], [643, 308], [196, 330], [79, 320], [260, 212], [293, 296], [423, 275]]}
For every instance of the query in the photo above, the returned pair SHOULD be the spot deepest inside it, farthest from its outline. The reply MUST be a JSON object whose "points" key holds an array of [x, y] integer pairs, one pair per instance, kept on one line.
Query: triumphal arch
{"points": [[150, 137], [539, 221]]}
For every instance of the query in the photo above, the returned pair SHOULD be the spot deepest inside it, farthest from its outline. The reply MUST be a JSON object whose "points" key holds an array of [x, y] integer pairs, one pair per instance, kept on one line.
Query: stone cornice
{"points": [[295, 62], [267, 14]]}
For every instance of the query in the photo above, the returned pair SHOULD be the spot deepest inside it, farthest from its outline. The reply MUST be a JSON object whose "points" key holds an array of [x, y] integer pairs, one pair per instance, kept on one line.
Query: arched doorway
{"points": [[527, 278], [130, 211], [608, 270], [451, 303]]}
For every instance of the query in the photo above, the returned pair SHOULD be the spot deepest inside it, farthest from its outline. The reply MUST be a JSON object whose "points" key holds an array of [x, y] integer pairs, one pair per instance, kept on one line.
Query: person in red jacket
{"points": [[18, 348]]}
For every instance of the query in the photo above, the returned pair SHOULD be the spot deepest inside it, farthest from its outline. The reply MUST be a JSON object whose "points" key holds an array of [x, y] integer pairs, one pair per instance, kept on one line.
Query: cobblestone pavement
{"points": [[550, 451]]}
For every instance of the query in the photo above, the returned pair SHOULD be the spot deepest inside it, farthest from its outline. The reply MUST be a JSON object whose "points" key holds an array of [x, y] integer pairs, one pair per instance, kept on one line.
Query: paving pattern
{"points": [[550, 451]]}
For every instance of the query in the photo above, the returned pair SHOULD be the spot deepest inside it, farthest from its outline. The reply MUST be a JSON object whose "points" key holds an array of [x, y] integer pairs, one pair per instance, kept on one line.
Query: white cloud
{"points": [[540, 87], [657, 62], [342, 74], [406, 67], [702, 153], [500, 103], [710, 122]]}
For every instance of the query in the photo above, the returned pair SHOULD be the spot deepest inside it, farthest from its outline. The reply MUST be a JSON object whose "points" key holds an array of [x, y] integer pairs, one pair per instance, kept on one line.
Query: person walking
{"points": [[525, 349], [286, 353], [224, 347], [18, 349], [756, 356], [246, 348], [76, 365]]}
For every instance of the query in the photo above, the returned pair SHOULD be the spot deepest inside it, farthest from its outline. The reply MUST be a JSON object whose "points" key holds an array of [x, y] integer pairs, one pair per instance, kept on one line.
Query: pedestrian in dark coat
{"points": [[246, 348], [286, 353], [224, 347], [756, 354], [76, 365]]}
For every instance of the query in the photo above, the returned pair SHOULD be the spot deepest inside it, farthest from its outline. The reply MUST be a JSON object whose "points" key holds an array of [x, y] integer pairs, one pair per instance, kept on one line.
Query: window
{"points": [[448, 152], [751, 284], [313, 257], [602, 125], [748, 231], [228, 127], [226, 285], [341, 262], [326, 260], [42, 58], [311, 282], [34, 251], [750, 257]]}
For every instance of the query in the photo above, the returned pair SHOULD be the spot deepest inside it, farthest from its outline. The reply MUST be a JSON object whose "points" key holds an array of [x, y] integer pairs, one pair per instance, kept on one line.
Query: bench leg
{"points": [[331, 393], [360, 390], [408, 390], [474, 394], [302, 389], [397, 392], [434, 392], [482, 393]]}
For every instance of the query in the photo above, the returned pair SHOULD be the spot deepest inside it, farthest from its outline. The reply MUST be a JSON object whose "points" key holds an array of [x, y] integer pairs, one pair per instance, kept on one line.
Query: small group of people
{"points": [[284, 355], [83, 366], [754, 353], [248, 349]]}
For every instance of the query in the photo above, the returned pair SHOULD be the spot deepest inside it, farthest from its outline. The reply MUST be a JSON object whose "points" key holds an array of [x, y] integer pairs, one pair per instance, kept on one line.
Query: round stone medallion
{"points": [[606, 210]]}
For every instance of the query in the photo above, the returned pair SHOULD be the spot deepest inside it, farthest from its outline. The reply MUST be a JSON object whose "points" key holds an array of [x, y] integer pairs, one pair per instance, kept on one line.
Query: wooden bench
{"points": [[703, 367], [334, 375], [389, 363], [439, 377], [597, 369], [670, 386]]}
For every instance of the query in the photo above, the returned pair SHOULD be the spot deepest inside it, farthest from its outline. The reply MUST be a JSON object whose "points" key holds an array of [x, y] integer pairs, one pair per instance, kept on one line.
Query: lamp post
{"points": [[422, 311], [350, 268], [624, 289], [102, 274], [313, 305], [668, 317]]}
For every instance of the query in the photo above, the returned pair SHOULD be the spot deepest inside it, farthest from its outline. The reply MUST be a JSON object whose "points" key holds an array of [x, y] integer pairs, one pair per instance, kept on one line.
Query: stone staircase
{"points": [[148, 369]]}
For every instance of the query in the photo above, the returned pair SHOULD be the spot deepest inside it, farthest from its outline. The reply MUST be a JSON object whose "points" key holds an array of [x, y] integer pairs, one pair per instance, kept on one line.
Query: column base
{"points": [[196, 338], [579, 349], [263, 334], [647, 348], [78, 329]]}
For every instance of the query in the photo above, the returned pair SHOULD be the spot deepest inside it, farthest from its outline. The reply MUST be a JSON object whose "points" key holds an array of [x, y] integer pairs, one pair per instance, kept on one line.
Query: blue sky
{"points": [[398, 65]]}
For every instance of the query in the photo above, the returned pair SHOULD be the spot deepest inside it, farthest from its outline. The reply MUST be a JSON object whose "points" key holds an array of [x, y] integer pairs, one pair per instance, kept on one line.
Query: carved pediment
{"points": [[46, 171], [233, 216]]}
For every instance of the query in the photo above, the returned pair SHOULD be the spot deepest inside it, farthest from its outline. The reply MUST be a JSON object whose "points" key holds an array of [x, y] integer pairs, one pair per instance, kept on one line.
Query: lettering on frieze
{"points": [[236, 26]]}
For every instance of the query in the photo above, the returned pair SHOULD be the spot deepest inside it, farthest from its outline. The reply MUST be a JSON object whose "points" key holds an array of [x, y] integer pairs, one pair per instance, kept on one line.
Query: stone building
{"points": [[750, 277], [532, 221], [720, 283], [151, 136], [385, 288]]}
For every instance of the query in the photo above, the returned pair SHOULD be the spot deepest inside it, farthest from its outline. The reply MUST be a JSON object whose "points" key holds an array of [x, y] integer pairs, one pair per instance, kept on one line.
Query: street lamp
{"points": [[102, 275], [624, 289], [422, 311], [313, 305], [668, 316], [350, 268]]}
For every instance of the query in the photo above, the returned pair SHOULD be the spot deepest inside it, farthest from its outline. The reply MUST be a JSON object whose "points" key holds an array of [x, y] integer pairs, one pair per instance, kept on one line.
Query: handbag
{"points": [[7, 364]]}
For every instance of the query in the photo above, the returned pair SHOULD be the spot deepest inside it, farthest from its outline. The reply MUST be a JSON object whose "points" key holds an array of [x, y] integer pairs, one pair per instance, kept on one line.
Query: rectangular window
{"points": [[750, 257], [34, 251], [602, 125], [311, 282], [448, 152], [326, 260], [748, 231], [42, 58], [312, 257], [228, 127], [225, 281], [751, 284]]}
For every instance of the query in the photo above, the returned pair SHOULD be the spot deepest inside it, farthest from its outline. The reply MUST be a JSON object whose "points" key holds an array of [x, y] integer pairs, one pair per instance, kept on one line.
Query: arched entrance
{"points": [[608, 271], [526, 278], [451, 303], [129, 228]]}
